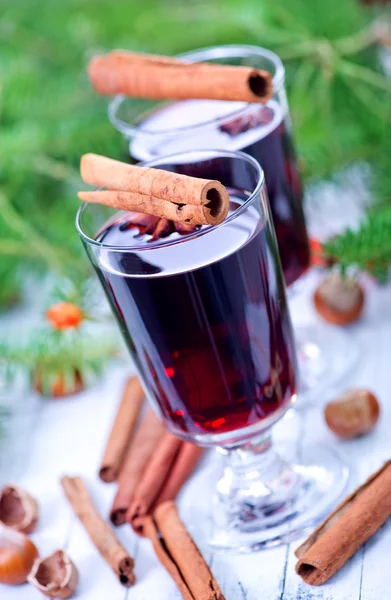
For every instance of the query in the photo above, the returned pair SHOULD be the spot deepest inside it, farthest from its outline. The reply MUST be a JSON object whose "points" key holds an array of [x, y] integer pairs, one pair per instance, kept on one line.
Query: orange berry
{"points": [[64, 315]]}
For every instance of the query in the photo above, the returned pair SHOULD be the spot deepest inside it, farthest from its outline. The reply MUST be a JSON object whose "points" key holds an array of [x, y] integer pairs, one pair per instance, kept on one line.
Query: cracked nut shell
{"points": [[56, 576], [18, 509]]}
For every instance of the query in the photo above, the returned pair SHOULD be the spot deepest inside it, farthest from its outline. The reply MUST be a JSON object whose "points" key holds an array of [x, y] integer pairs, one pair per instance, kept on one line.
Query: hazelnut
{"points": [[353, 413], [339, 300], [17, 555], [55, 576], [18, 509]]}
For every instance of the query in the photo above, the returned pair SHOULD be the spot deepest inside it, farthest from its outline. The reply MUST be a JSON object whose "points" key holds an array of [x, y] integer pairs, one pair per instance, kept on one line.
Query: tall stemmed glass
{"points": [[156, 128], [205, 319]]}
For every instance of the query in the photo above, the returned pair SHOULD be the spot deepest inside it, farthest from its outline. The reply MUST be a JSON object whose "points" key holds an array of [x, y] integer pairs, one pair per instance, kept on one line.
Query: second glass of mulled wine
{"points": [[205, 318], [157, 128]]}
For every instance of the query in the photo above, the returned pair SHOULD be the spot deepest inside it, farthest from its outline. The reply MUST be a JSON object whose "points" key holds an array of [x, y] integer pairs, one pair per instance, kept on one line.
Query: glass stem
{"points": [[256, 482]]}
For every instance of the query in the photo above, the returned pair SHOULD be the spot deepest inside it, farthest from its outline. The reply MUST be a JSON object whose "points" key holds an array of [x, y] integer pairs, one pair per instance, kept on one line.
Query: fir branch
{"points": [[365, 75], [368, 248], [371, 34], [339, 96], [14, 248], [32, 240], [57, 169], [49, 355]]}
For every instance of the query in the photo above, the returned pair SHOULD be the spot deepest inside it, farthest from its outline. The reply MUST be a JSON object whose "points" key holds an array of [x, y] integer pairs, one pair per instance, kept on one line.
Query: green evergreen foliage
{"points": [[49, 355], [49, 115], [368, 248]]}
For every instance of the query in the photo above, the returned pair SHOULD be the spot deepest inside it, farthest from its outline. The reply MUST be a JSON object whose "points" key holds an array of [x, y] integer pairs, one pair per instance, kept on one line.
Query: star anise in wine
{"points": [[155, 226], [263, 116]]}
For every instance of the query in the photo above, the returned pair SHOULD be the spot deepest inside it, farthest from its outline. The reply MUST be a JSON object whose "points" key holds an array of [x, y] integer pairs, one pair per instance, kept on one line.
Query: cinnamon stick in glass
{"points": [[166, 78], [180, 556], [122, 430], [155, 475], [142, 446], [100, 533], [157, 192], [353, 522]]}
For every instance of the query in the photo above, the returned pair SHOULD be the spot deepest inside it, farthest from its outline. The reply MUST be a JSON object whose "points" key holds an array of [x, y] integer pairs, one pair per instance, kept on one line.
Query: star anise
{"points": [[263, 116], [155, 226]]}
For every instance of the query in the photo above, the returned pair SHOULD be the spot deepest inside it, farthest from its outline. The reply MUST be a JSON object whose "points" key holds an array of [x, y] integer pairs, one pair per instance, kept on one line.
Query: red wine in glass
{"points": [[275, 153], [205, 318], [264, 133], [217, 325]]}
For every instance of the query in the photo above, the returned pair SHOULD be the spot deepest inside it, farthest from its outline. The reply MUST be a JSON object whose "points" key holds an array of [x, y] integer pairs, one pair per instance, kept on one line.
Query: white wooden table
{"points": [[68, 437]]}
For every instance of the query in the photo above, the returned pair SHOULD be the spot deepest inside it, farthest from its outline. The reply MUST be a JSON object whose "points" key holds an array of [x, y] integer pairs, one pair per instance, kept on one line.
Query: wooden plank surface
{"points": [[68, 437]]}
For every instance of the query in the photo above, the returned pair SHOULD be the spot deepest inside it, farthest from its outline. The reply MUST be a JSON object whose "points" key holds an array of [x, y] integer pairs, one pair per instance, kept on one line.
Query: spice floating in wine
{"points": [[221, 335]]}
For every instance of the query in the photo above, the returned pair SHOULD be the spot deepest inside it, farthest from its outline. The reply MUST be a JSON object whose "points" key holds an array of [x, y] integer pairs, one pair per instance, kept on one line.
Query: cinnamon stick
{"points": [[180, 556], [122, 429], [193, 215], [166, 78], [154, 477], [353, 522], [152, 534], [183, 466], [157, 192], [140, 451], [98, 530], [185, 463]]}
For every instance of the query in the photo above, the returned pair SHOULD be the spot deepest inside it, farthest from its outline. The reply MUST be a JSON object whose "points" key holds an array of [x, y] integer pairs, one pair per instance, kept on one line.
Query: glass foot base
{"points": [[326, 356], [264, 514]]}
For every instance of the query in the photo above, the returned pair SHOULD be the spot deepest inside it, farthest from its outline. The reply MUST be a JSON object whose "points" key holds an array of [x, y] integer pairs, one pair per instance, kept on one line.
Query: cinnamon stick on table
{"points": [[122, 429], [185, 463], [180, 471], [160, 77], [141, 448], [180, 556], [154, 477], [98, 530], [173, 196], [353, 522]]}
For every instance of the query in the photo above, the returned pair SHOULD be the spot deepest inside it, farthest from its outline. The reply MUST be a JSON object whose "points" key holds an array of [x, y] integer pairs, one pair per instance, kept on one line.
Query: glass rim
{"points": [[209, 154], [223, 51]]}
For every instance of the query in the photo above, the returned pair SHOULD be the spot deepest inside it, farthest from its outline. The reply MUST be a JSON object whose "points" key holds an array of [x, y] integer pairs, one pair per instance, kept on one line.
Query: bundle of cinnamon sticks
{"points": [[150, 463], [167, 195], [151, 466]]}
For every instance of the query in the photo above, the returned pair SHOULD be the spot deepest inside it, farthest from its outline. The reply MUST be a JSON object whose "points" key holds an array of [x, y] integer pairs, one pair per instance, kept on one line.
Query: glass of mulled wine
{"points": [[157, 128], [204, 315]]}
